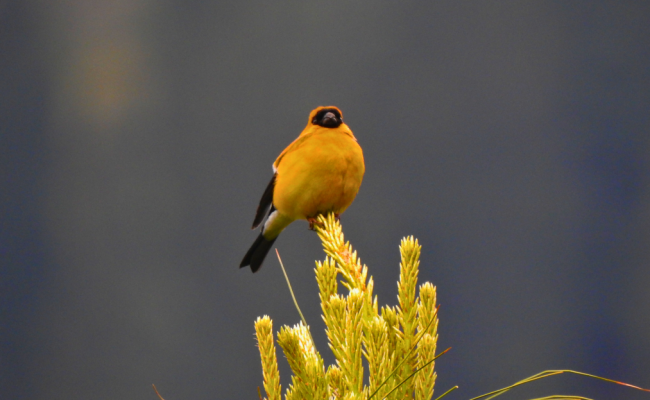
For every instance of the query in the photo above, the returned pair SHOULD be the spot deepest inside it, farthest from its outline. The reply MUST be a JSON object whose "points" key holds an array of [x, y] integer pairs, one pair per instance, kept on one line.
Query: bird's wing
{"points": [[265, 202], [293, 146], [267, 197]]}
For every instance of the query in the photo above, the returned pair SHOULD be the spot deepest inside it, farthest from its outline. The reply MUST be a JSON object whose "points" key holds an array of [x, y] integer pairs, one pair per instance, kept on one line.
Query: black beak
{"points": [[329, 120]]}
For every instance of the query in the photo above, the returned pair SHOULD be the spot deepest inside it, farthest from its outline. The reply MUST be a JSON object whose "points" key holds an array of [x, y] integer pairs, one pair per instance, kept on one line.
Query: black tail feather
{"points": [[265, 202], [257, 253]]}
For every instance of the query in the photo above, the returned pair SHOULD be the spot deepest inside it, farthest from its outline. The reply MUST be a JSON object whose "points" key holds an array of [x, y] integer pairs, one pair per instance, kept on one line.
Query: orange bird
{"points": [[320, 172]]}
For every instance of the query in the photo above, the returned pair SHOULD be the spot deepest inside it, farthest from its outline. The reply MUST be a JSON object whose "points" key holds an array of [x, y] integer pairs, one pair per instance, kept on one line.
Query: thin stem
{"points": [[304, 321], [505, 389], [447, 392], [545, 374], [156, 390], [562, 397], [605, 379]]}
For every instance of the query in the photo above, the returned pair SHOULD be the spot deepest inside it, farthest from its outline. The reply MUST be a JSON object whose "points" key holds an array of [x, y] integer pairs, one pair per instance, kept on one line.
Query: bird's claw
{"points": [[312, 223]]}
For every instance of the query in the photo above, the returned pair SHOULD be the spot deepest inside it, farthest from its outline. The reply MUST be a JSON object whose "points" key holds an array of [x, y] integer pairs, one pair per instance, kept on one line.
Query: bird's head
{"points": [[327, 117]]}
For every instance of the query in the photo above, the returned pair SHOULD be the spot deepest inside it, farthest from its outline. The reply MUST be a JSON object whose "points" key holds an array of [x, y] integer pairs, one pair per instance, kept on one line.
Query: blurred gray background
{"points": [[510, 137]]}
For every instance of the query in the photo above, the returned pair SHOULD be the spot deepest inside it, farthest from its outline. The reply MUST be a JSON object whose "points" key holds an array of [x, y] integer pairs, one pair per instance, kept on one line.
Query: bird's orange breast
{"points": [[321, 173]]}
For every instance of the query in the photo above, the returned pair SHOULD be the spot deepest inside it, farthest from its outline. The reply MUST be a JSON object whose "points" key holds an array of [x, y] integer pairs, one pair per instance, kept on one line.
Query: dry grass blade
{"points": [[545, 374], [447, 392], [156, 390], [605, 379], [302, 317], [501, 391]]}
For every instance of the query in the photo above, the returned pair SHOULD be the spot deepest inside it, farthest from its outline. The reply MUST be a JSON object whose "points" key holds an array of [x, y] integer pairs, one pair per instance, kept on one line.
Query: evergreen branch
{"points": [[413, 373], [264, 333], [407, 356]]}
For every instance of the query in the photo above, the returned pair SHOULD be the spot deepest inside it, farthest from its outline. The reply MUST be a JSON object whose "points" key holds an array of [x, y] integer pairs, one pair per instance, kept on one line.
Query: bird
{"points": [[319, 172]]}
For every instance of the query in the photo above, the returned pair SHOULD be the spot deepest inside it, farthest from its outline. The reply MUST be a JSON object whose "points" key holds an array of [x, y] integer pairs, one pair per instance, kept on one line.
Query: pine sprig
{"points": [[407, 310], [393, 342], [264, 333], [428, 327]]}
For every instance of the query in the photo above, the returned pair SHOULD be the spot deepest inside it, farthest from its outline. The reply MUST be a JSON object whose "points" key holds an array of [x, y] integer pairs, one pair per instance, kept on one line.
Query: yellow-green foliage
{"points": [[264, 333], [398, 342]]}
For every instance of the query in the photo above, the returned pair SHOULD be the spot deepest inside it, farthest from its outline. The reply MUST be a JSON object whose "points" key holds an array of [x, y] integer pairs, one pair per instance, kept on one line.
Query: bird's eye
{"points": [[319, 117]]}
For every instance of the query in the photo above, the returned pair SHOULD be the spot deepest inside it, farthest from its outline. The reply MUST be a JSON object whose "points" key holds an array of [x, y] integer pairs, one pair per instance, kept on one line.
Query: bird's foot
{"points": [[312, 223]]}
